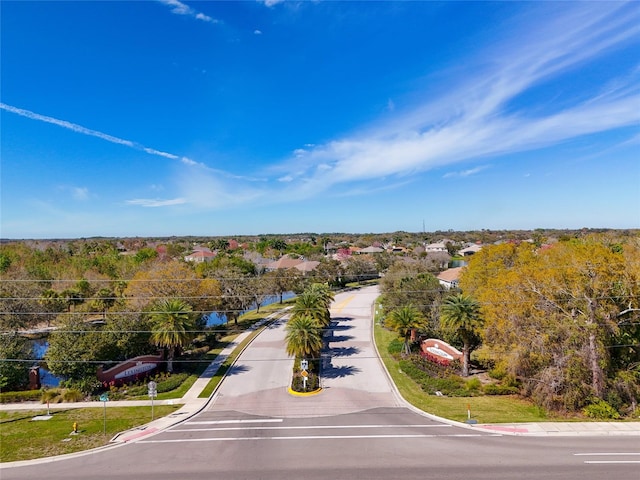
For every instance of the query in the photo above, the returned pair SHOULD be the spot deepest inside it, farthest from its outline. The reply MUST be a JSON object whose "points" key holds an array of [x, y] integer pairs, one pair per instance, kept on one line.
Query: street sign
{"points": [[304, 364], [104, 397], [304, 373], [153, 392]]}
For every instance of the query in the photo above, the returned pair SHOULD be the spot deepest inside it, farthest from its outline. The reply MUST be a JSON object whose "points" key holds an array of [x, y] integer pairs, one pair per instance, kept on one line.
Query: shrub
{"points": [[395, 346], [493, 389], [87, 385], [20, 396], [313, 383], [72, 395], [601, 410], [165, 383], [498, 372], [450, 385], [473, 385], [53, 395]]}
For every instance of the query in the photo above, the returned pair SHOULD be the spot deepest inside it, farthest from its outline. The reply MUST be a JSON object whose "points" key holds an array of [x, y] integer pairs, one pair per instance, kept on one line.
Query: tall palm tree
{"points": [[461, 314], [403, 320], [324, 291], [311, 304], [172, 327], [304, 337]]}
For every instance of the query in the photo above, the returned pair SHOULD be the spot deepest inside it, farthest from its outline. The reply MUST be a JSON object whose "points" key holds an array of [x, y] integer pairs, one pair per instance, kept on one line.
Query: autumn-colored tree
{"points": [[554, 314], [173, 279]]}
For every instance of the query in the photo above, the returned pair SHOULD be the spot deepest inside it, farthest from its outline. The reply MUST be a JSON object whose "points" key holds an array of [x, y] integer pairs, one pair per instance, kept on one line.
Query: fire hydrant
{"points": [[75, 427]]}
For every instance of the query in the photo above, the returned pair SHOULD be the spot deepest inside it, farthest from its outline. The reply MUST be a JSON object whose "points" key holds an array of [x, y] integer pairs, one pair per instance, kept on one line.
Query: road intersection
{"points": [[358, 426]]}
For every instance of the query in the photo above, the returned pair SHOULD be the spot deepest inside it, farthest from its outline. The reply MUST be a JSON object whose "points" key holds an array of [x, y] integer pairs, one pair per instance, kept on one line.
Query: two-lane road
{"points": [[352, 378], [356, 428]]}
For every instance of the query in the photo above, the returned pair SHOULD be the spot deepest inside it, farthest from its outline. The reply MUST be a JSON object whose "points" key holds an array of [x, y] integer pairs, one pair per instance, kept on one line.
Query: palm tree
{"points": [[324, 291], [172, 327], [311, 305], [461, 314], [304, 337], [403, 320]]}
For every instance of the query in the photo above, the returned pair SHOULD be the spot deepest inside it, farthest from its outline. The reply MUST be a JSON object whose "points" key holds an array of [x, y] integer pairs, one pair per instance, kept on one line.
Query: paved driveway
{"points": [[353, 377]]}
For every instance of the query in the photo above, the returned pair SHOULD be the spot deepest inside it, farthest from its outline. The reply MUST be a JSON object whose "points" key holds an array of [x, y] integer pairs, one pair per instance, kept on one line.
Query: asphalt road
{"points": [[357, 428]]}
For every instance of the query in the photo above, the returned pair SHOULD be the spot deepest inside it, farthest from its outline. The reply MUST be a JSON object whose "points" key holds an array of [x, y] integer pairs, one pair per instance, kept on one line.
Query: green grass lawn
{"points": [[484, 409], [23, 438]]}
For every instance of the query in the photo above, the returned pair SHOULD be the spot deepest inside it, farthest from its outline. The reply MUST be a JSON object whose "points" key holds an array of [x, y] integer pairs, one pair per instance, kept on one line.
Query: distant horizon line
{"points": [[297, 234]]}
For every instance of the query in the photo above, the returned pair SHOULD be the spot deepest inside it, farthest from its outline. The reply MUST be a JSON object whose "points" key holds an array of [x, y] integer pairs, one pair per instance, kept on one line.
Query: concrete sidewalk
{"points": [[564, 429]]}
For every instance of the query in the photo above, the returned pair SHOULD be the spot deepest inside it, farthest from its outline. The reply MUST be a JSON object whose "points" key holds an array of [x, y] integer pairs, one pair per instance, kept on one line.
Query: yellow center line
{"points": [[338, 308]]}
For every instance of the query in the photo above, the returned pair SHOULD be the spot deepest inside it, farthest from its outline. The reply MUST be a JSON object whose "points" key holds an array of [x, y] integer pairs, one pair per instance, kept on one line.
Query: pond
{"points": [[215, 318], [47, 379]]}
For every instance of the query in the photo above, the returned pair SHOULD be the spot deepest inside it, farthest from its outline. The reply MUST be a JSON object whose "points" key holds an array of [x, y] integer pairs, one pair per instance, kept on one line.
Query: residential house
{"points": [[470, 250], [200, 256], [450, 277]]}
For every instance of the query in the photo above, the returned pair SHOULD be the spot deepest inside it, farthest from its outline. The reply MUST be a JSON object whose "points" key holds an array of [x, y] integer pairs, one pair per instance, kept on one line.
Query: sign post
{"points": [[304, 364], [104, 398], [153, 393]]}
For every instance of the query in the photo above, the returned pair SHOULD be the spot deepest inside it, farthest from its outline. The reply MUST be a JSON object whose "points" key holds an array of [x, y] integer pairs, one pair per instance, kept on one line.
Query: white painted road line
{"points": [[223, 422], [610, 462], [302, 427], [319, 437], [609, 454]]}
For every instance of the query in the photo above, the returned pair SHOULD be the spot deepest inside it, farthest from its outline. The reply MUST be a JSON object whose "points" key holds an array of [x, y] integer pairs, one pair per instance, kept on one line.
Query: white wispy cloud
{"points": [[466, 173], [481, 117], [64, 124], [257, 32], [155, 202], [180, 8], [92, 133], [80, 193], [271, 3]]}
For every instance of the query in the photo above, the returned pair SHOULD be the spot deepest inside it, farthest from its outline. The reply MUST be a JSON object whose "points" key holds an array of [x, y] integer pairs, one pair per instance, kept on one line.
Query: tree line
{"points": [[561, 321]]}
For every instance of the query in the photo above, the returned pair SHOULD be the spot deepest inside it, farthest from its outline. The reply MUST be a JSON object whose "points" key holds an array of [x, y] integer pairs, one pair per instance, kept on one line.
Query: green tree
{"points": [[16, 357], [403, 320], [75, 349], [283, 281], [461, 315], [172, 327], [52, 305], [411, 283], [236, 295], [303, 338], [126, 336], [105, 299]]}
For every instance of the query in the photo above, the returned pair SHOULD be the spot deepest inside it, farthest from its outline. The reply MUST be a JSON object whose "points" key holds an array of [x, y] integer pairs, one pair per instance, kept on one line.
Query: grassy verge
{"points": [[23, 438], [484, 409]]}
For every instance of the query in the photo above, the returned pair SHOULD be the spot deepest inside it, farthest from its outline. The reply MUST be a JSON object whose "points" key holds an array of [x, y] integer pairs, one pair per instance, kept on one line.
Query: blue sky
{"points": [[156, 118]]}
